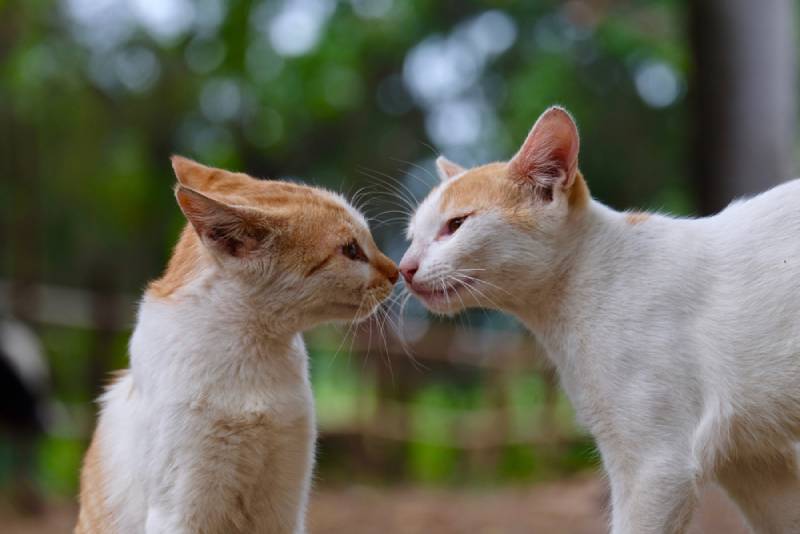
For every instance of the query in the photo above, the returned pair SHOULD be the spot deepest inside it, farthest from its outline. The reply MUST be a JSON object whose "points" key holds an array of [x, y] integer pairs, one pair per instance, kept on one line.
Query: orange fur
{"points": [[311, 224], [636, 217], [490, 186], [94, 517], [181, 265], [579, 195], [487, 186]]}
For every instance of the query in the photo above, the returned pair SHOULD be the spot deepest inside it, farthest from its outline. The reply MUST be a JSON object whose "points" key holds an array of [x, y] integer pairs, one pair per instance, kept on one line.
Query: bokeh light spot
{"points": [[657, 84]]}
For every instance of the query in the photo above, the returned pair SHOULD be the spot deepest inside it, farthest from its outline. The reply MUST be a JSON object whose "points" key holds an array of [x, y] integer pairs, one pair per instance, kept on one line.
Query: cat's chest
{"points": [[231, 463], [251, 414], [253, 403], [244, 441], [587, 376]]}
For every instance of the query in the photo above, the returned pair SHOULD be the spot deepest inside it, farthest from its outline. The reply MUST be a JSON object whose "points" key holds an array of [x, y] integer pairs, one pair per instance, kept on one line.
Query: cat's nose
{"points": [[388, 268], [408, 274], [408, 270]]}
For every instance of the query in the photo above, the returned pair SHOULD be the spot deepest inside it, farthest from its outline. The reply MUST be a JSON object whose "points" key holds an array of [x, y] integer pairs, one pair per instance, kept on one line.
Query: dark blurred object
{"points": [[744, 97], [20, 390], [24, 386]]}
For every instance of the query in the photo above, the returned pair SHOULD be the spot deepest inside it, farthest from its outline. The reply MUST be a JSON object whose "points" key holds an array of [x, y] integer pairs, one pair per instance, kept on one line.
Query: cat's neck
{"points": [[230, 309], [600, 248], [209, 340]]}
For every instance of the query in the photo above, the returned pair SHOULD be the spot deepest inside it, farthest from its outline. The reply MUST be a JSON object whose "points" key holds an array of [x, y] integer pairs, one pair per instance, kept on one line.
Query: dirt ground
{"points": [[569, 507]]}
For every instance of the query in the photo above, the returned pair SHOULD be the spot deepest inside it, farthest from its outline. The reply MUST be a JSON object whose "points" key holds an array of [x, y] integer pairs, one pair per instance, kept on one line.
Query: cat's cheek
{"points": [[382, 293]]}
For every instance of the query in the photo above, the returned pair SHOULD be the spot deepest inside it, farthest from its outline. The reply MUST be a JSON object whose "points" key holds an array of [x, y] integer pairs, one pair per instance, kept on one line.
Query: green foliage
{"points": [[68, 350], [519, 463], [59, 463], [94, 138]]}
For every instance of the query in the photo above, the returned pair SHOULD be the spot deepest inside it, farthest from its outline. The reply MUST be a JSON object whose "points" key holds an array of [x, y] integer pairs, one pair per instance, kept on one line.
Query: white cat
{"points": [[677, 340], [212, 429]]}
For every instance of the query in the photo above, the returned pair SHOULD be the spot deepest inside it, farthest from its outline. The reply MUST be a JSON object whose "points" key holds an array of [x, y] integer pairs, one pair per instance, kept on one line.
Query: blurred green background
{"points": [[95, 95]]}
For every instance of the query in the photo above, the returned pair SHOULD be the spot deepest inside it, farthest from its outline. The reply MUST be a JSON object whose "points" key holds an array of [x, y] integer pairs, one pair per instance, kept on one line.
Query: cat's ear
{"points": [[549, 156], [197, 176], [447, 169], [232, 230]]}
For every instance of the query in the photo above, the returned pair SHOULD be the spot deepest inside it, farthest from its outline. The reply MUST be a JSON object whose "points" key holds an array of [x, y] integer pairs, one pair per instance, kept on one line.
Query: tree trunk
{"points": [[743, 85]]}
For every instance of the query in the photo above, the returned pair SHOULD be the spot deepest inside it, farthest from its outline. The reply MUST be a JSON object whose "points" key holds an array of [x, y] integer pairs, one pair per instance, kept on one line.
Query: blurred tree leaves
{"points": [[101, 119]]}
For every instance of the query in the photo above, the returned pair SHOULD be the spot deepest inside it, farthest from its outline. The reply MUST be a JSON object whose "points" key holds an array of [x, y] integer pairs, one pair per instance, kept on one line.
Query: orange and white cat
{"points": [[677, 340], [212, 428]]}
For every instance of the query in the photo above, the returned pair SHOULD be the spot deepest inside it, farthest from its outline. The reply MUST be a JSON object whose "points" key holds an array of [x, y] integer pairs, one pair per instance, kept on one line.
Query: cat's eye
{"points": [[354, 251], [455, 223]]}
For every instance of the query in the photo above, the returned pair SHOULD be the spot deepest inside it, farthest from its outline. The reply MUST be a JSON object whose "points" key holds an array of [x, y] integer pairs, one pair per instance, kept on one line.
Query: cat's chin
{"points": [[352, 312], [448, 301]]}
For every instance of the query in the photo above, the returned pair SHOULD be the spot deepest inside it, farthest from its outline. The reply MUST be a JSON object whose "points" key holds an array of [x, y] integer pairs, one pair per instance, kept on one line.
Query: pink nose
{"points": [[408, 269]]}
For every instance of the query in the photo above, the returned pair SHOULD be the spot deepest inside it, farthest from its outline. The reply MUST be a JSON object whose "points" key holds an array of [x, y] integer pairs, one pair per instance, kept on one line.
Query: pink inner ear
{"points": [[549, 155], [230, 229]]}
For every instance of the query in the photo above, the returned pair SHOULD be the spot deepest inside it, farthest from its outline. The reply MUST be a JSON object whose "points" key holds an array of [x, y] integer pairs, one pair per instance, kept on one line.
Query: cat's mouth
{"points": [[437, 295]]}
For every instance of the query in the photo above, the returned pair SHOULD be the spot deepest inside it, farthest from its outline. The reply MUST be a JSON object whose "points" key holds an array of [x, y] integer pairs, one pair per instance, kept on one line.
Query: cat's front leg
{"points": [[658, 496]]}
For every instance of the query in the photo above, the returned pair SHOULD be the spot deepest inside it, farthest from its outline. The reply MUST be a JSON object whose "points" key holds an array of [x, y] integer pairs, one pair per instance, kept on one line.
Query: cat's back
{"points": [[771, 217], [728, 284], [755, 243]]}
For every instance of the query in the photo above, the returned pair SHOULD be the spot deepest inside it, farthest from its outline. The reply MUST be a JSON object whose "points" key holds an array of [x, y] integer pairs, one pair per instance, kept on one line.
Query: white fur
{"points": [[197, 364], [677, 340], [212, 430]]}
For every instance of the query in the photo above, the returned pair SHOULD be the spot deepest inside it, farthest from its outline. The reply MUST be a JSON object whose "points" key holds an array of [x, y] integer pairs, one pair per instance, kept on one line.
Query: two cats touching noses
{"points": [[677, 340]]}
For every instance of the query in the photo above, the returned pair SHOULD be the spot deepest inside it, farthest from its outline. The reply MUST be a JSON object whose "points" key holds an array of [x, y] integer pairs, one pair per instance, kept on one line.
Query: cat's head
{"points": [[301, 252], [486, 234]]}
